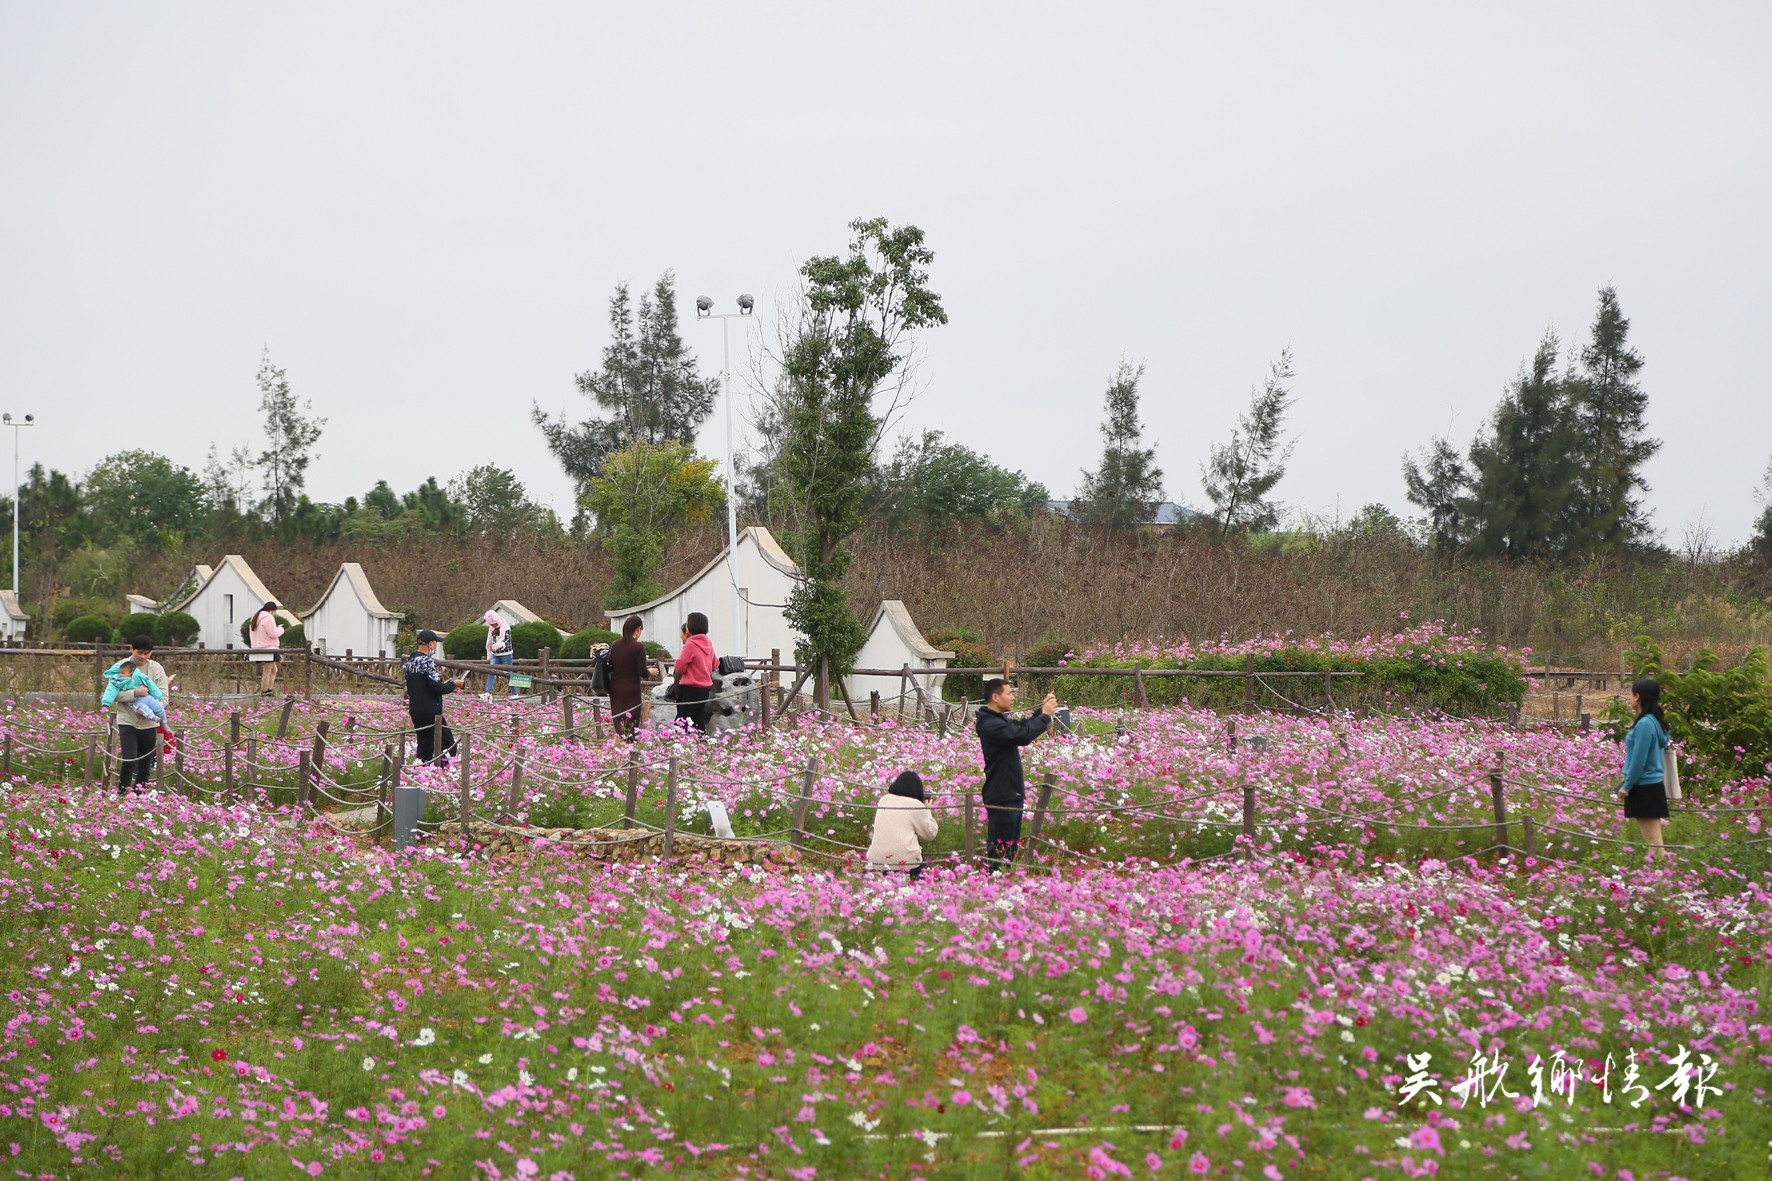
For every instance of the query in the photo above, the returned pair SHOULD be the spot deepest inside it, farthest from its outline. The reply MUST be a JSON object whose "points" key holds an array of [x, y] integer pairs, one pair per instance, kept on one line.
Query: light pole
{"points": [[704, 310], [30, 420]]}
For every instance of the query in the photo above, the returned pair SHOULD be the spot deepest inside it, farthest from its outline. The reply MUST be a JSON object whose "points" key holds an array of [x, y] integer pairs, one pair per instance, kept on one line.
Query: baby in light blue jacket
{"points": [[124, 675]]}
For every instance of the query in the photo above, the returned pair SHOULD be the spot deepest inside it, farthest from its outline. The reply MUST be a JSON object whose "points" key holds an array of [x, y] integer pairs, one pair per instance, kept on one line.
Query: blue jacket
{"points": [[116, 680], [1002, 738], [1643, 748]]}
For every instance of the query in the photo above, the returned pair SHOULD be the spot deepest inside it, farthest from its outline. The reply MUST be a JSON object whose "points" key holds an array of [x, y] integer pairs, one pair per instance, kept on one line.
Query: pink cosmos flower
{"points": [[1078, 1014]]}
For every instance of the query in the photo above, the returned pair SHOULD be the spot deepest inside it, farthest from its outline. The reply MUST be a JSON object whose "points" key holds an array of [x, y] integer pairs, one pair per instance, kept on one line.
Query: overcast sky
{"points": [[423, 211]]}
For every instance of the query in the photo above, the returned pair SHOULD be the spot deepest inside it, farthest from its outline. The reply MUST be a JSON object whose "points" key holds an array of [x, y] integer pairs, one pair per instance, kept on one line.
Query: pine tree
{"points": [[1761, 542], [289, 439], [1128, 485], [1439, 485], [1524, 472], [648, 384], [1608, 409], [1238, 476]]}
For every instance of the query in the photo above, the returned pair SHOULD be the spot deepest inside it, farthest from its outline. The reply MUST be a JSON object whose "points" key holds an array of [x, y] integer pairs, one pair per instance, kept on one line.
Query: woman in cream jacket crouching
{"points": [[902, 821]]}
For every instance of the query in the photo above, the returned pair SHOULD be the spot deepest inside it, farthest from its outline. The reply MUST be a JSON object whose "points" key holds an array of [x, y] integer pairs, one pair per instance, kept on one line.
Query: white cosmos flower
{"points": [[426, 1036], [368, 1064]]}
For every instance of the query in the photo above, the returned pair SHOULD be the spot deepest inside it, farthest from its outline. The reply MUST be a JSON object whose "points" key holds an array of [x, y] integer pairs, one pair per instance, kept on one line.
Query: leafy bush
{"points": [[175, 629], [528, 639], [1045, 654], [578, 644], [294, 636], [409, 618], [68, 610], [467, 642], [968, 653], [656, 650], [1721, 718], [89, 629], [131, 626]]}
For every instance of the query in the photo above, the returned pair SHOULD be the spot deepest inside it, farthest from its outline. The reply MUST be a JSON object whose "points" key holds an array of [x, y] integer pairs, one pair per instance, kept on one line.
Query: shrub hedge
{"points": [[467, 642], [529, 639], [89, 629], [131, 626], [175, 629], [578, 645]]}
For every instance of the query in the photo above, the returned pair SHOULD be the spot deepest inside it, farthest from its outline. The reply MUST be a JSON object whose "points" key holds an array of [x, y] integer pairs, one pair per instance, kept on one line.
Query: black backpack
{"points": [[600, 670]]}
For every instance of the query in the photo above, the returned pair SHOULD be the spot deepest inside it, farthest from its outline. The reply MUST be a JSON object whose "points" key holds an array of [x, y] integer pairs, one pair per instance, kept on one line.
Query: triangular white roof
{"points": [[352, 574], [766, 545], [144, 602], [246, 573], [513, 608], [893, 613], [9, 605]]}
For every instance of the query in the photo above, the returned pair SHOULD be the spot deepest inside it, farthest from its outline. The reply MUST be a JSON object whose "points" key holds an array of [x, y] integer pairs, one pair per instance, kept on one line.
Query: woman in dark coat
{"points": [[627, 671]]}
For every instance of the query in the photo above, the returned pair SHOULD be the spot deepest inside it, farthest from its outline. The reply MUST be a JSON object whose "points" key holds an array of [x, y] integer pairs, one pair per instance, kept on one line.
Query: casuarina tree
{"points": [[850, 346], [1524, 469], [1128, 485], [1238, 476], [648, 386], [1439, 485], [290, 435], [1608, 406]]}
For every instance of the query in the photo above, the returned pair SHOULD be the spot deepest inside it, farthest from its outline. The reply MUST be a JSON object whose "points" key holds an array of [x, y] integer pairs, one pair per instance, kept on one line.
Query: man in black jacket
{"points": [[425, 688], [1002, 738]]}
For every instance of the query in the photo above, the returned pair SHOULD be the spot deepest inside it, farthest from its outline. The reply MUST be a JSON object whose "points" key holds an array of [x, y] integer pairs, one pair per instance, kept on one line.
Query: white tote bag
{"points": [[1670, 763]]}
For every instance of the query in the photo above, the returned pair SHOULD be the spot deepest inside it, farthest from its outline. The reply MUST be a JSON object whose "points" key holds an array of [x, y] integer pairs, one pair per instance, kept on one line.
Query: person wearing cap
{"points": [[425, 689], [902, 821], [263, 631]]}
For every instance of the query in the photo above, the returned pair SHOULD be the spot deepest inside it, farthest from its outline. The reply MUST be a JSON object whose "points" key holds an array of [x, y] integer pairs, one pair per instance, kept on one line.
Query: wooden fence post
{"points": [[633, 800], [251, 765], [1587, 722], [967, 822], [1495, 791], [597, 718], [1529, 834], [178, 764], [544, 654], [6, 759], [670, 824], [874, 706], [1329, 688], [384, 796], [1230, 732], [304, 771], [798, 836], [1138, 684], [566, 712], [467, 757], [763, 704], [234, 727], [307, 670], [1513, 715], [1249, 811], [1045, 798], [317, 760], [775, 673], [283, 718], [228, 772], [515, 795], [1249, 682]]}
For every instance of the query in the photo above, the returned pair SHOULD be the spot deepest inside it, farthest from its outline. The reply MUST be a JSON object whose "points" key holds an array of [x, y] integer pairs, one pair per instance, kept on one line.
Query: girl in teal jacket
{"points": [[1643, 793]]}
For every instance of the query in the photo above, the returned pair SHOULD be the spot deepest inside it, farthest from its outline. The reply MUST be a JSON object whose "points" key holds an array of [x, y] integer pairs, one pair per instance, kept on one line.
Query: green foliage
{"points": [[1238, 476], [1524, 470], [855, 329], [1720, 717], [294, 636], [932, 484], [495, 503], [1468, 683], [968, 653], [1437, 485], [140, 624], [578, 644], [527, 639], [648, 383], [68, 610], [1608, 408], [641, 493], [1045, 654], [410, 620], [143, 497], [89, 629], [1125, 489], [656, 650], [175, 629], [468, 642]]}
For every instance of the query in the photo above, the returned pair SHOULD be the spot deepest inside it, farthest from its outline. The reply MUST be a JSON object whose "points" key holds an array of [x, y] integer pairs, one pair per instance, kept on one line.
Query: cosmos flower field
{"points": [[202, 986]]}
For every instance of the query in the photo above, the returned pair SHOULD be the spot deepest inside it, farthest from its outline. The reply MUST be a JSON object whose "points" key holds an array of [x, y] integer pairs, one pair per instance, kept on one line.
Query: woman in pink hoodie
{"points": [[264, 632], [695, 672]]}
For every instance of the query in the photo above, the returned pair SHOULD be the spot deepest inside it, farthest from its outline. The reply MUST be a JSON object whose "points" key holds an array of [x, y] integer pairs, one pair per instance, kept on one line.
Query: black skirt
{"points": [[1646, 801]]}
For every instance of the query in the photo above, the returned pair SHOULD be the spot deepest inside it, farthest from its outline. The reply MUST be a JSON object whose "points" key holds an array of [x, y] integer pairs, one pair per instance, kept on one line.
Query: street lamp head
{"points": [[745, 304], [7, 417], [29, 419], [703, 305]]}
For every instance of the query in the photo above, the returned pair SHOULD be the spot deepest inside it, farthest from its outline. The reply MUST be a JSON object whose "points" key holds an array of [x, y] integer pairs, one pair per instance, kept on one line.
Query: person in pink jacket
{"points": [[264, 632], [902, 822], [695, 672]]}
